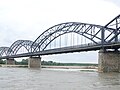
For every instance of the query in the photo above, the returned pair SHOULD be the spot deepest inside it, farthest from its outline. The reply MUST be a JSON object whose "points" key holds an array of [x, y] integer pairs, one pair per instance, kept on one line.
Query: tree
{"points": [[1, 61], [24, 62]]}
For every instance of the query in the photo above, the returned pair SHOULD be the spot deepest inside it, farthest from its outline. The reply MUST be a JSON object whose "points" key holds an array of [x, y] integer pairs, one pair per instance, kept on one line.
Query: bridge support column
{"points": [[10, 61], [34, 62], [109, 61]]}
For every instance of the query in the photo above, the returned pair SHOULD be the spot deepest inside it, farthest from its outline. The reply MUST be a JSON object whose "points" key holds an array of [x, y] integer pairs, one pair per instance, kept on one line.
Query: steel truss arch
{"points": [[83, 29], [3, 50], [14, 48], [115, 25]]}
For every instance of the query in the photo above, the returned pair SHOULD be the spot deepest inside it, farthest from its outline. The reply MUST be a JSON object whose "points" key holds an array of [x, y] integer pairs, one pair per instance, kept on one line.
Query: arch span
{"points": [[14, 48], [115, 25], [3, 50], [89, 31]]}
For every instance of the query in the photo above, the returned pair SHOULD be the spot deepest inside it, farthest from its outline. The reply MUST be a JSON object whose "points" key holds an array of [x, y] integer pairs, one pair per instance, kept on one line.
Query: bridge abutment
{"points": [[10, 61], [109, 61], [34, 62]]}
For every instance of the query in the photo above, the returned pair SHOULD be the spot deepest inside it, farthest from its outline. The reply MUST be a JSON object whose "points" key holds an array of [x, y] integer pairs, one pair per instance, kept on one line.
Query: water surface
{"points": [[56, 79]]}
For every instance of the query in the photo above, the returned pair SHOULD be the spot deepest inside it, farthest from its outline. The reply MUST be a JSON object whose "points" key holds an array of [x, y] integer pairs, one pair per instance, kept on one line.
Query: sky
{"points": [[27, 19]]}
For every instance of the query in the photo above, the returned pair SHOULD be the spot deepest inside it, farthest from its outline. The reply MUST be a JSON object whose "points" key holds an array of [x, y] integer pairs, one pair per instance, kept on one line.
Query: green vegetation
{"points": [[23, 62], [51, 63], [2, 62]]}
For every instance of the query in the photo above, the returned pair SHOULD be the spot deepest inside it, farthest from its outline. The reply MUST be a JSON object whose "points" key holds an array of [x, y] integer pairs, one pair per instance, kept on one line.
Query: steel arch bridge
{"points": [[89, 31], [3, 50], [97, 34], [14, 48]]}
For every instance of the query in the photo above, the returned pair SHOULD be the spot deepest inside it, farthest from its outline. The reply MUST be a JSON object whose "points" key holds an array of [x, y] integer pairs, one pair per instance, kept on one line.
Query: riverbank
{"points": [[17, 66], [71, 67], [55, 67]]}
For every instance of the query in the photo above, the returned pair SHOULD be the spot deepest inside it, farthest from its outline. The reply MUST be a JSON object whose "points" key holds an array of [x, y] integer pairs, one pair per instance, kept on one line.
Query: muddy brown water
{"points": [[57, 79]]}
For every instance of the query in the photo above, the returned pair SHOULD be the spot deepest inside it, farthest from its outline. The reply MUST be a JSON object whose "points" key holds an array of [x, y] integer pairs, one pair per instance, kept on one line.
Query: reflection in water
{"points": [[56, 79]]}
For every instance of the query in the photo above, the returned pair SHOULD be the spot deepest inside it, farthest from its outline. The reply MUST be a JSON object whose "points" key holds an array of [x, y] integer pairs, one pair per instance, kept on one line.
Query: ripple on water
{"points": [[56, 79]]}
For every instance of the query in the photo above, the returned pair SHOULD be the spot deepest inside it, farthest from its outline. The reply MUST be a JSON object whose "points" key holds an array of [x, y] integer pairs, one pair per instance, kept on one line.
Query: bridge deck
{"points": [[78, 48]]}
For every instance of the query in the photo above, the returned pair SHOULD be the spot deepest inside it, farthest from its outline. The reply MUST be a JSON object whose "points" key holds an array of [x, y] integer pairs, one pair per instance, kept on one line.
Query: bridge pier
{"points": [[10, 61], [109, 61], [34, 62]]}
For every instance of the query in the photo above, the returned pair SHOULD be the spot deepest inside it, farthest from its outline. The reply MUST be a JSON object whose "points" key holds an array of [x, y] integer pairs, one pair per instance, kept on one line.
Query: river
{"points": [[57, 79]]}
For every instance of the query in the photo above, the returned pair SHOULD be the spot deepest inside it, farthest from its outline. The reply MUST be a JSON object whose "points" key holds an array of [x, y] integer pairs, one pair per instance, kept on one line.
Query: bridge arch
{"points": [[3, 50], [14, 48], [89, 31]]}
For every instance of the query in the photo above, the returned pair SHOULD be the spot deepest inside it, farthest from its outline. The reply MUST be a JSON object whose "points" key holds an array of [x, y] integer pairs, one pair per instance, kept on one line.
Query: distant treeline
{"points": [[2, 62], [23, 62], [51, 63], [67, 64]]}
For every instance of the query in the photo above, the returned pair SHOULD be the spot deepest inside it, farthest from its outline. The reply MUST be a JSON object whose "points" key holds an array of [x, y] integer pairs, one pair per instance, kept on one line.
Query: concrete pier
{"points": [[109, 61], [10, 61], [34, 62]]}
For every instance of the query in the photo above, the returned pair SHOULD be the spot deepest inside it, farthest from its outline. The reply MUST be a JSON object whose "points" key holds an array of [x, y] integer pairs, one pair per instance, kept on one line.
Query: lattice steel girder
{"points": [[3, 50], [115, 24], [83, 29], [14, 48]]}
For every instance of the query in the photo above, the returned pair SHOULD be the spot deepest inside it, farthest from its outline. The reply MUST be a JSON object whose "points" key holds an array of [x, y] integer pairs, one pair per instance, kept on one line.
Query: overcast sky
{"points": [[27, 19]]}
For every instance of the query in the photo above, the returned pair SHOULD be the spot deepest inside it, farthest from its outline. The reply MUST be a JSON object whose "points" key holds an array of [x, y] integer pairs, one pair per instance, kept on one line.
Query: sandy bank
{"points": [[14, 65], [56, 67], [71, 67]]}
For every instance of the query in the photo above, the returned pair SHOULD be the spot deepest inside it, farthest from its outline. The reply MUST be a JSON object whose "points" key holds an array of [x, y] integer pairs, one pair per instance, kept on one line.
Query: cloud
{"points": [[116, 2]]}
